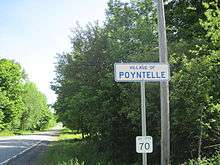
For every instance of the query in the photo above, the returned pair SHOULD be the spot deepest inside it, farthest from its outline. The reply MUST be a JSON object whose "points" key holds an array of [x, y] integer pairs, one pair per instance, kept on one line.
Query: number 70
{"points": [[144, 146]]}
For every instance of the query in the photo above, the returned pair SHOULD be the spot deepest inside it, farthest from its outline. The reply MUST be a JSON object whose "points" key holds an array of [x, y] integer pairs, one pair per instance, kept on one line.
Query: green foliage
{"points": [[195, 106], [182, 18], [72, 162], [195, 82], [109, 113], [22, 106], [36, 114], [88, 98], [69, 149], [214, 160], [212, 23], [69, 134], [6, 133], [11, 105]]}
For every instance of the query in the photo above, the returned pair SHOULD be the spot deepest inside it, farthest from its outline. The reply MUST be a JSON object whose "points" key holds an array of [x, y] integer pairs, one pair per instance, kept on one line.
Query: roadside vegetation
{"points": [[23, 108], [214, 160], [68, 149], [107, 113], [17, 132], [72, 149]]}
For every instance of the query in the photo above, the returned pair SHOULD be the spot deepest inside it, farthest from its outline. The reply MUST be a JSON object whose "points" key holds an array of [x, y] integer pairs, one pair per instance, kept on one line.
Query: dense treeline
{"points": [[90, 101], [22, 105]]}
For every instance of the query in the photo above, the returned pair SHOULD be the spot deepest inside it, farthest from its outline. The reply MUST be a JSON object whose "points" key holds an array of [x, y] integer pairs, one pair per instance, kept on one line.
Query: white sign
{"points": [[136, 72], [144, 144]]}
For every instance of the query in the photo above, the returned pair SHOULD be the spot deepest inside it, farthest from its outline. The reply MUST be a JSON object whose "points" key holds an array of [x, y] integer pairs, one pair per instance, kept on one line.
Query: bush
{"points": [[215, 160], [72, 162]]}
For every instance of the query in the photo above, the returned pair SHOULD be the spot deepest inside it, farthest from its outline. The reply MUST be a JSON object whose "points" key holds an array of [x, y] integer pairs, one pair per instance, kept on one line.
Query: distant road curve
{"points": [[14, 146]]}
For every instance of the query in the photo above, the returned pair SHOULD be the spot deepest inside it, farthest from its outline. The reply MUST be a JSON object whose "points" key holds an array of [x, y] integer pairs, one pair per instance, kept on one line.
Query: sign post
{"points": [[164, 88], [143, 118], [142, 72]]}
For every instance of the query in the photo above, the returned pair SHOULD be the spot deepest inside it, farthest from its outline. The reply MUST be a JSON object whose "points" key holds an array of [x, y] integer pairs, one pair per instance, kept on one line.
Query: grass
{"points": [[18, 132], [21, 132], [68, 134], [7, 133], [71, 149], [72, 162]]}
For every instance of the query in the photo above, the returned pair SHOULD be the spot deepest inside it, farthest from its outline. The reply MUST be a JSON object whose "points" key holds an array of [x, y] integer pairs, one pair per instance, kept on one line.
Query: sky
{"points": [[32, 32]]}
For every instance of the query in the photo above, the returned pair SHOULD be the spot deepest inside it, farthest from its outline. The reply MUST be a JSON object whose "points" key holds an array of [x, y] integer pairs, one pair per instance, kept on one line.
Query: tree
{"points": [[88, 98], [10, 93], [108, 113], [36, 114], [194, 96], [211, 24], [195, 108], [182, 18], [22, 105]]}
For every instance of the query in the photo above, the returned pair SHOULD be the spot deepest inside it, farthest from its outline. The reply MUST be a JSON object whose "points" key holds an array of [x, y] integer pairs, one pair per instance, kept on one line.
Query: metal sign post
{"points": [[144, 72], [164, 88], [143, 118]]}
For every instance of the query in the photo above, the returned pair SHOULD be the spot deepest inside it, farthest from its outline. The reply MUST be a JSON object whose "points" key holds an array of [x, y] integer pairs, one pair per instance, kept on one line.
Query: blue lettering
{"points": [[132, 73], [121, 74], [148, 75], [163, 75], [143, 74], [138, 75], [127, 75]]}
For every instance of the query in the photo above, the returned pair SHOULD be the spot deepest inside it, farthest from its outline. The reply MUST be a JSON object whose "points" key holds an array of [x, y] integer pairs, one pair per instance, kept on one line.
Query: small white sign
{"points": [[144, 144], [136, 72]]}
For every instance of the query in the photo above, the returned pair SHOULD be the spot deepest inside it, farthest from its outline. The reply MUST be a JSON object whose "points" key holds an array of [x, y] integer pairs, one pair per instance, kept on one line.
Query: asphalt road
{"points": [[13, 148]]}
